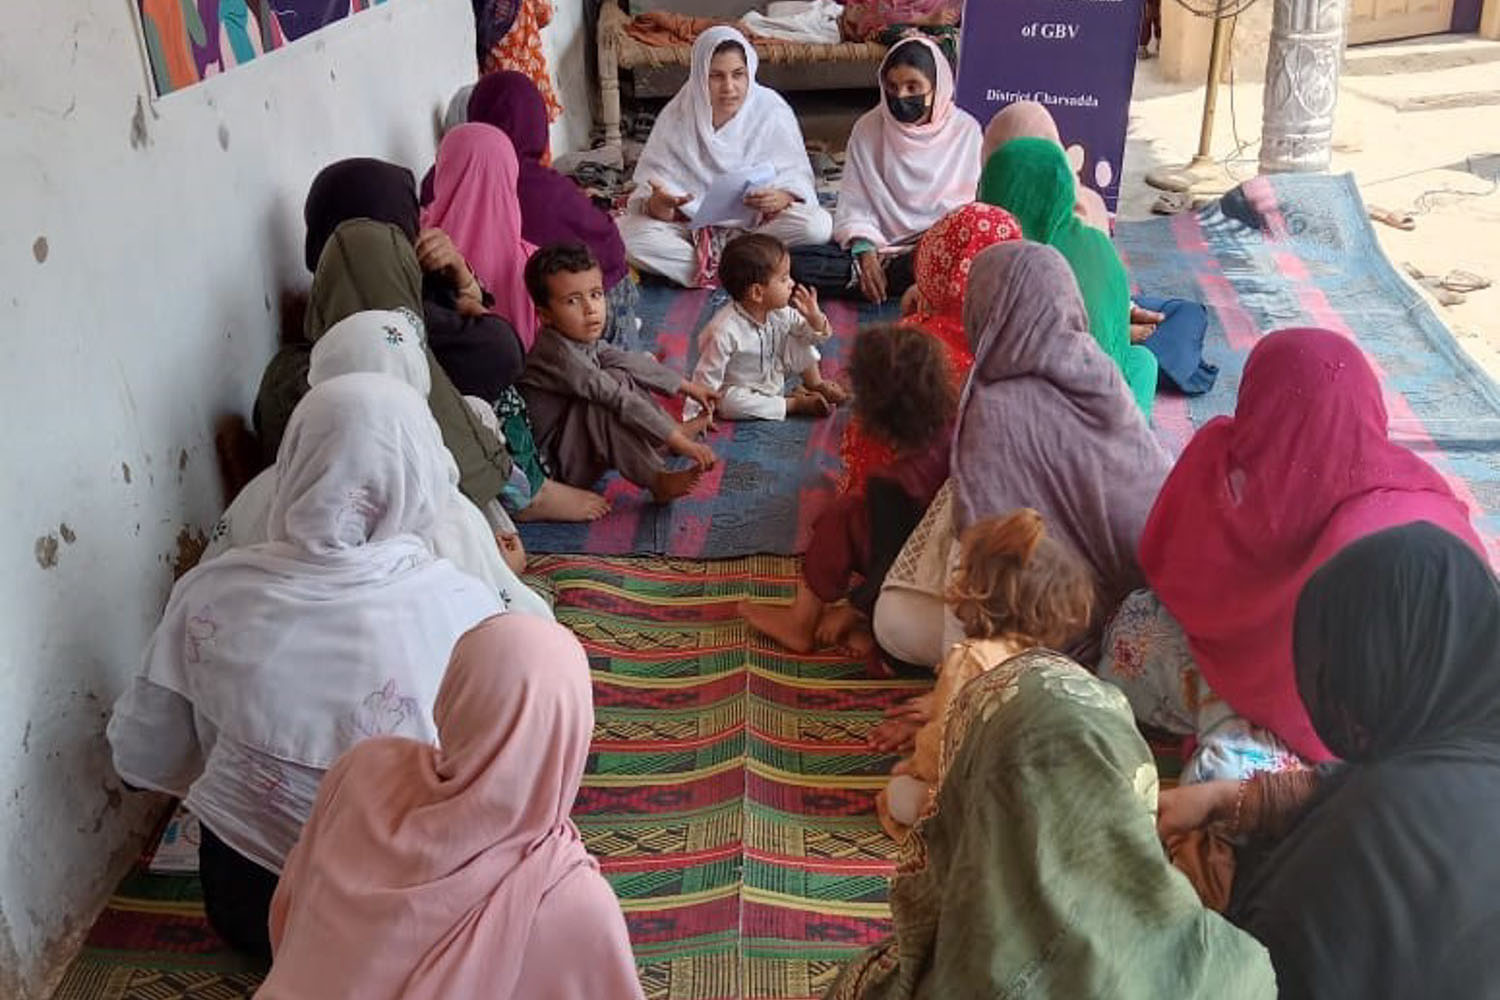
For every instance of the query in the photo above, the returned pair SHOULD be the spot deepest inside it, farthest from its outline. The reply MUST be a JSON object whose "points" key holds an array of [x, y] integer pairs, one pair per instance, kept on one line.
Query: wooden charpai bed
{"points": [[784, 65]]}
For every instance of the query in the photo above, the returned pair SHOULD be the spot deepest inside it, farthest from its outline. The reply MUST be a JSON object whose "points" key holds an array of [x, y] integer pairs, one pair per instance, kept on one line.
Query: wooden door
{"points": [[1382, 20]]}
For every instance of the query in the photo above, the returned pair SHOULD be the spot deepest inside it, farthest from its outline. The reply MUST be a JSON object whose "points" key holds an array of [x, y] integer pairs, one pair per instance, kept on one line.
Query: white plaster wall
{"points": [[565, 42], [169, 233]]}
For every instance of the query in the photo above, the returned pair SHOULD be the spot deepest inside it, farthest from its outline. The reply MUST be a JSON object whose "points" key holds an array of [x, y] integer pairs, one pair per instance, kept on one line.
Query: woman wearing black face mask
{"points": [[911, 161]]}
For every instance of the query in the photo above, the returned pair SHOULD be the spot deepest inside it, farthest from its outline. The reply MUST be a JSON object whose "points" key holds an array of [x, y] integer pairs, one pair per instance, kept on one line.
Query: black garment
{"points": [[1387, 885], [236, 896], [360, 188], [894, 514], [830, 269], [481, 354]]}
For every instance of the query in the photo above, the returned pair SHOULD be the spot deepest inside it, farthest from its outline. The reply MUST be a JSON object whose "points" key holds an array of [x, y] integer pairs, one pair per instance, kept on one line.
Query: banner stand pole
{"points": [[1203, 174]]}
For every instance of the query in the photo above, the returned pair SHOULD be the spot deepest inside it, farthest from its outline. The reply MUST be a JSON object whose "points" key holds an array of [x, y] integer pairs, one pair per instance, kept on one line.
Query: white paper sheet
{"points": [[724, 202]]}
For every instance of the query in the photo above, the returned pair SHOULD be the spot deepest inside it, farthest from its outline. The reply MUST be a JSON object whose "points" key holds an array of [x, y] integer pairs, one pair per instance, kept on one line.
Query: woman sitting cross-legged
{"points": [[910, 161], [1037, 873], [271, 661], [447, 867], [720, 122], [1172, 329]]}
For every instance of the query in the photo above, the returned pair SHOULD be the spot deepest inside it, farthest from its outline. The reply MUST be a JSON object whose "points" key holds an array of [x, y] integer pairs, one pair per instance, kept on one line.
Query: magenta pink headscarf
{"points": [[1260, 500], [475, 203], [432, 874]]}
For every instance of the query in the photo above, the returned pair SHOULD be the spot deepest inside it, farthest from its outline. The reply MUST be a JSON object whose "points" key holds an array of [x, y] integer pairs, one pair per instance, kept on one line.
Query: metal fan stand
{"points": [[1204, 174]]}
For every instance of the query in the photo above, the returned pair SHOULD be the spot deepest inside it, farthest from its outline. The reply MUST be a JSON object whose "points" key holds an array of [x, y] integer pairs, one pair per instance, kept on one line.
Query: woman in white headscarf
{"points": [[720, 121], [271, 661], [911, 161], [389, 342]]}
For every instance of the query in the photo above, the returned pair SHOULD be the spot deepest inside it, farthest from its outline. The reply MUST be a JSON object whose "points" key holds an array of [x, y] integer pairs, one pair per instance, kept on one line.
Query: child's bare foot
{"points": [[836, 622], [807, 404], [673, 485], [560, 502], [702, 422], [835, 393], [783, 624]]}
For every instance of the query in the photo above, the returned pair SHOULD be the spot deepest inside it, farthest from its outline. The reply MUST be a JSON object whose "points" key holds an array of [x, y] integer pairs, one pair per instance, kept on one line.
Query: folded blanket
{"points": [[662, 29], [815, 22]]}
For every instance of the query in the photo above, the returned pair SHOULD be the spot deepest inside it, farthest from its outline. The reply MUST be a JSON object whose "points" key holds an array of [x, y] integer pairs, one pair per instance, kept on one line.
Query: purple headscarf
{"points": [[1046, 420], [553, 208]]}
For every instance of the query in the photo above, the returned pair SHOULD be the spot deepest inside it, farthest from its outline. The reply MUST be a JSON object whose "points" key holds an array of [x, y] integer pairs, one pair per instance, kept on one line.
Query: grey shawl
{"points": [[1046, 420]]}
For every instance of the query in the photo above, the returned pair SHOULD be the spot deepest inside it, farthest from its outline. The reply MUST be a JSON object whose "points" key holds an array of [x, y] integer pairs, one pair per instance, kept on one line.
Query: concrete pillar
{"points": [[1302, 85]]}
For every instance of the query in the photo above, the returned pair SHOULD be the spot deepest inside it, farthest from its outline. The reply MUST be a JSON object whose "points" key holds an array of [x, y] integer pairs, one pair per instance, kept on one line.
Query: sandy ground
{"points": [[1418, 124]]}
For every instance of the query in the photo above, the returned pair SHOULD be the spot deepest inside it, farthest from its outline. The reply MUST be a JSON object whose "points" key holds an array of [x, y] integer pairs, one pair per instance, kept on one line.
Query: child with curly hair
{"points": [[904, 396], [1015, 589]]}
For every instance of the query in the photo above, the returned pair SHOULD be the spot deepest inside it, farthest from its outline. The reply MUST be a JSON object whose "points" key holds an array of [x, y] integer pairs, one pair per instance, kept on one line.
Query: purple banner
{"points": [[1075, 56]]}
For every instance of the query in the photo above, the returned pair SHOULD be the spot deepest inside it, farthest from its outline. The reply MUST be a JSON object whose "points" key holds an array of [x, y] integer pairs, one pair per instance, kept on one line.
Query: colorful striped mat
{"points": [[729, 799]]}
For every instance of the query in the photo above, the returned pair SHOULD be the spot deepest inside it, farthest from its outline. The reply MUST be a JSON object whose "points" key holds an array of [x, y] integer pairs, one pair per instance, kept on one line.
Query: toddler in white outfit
{"points": [[770, 332]]}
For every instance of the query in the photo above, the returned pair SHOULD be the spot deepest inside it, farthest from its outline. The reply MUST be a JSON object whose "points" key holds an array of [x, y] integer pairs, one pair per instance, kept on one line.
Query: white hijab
{"points": [[900, 179], [685, 153], [388, 342], [282, 646]]}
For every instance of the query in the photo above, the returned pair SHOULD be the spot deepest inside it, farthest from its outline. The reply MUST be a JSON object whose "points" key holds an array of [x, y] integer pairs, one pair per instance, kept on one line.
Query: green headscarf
{"points": [[372, 265], [1031, 179], [1040, 874]]}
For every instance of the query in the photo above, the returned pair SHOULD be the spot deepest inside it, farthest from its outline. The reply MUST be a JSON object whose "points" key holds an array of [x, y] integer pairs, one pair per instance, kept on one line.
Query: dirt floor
{"points": [[1418, 124]]}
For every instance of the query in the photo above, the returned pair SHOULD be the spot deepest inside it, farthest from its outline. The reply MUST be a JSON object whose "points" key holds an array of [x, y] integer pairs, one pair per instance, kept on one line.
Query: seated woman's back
{"points": [[1386, 886], [455, 871], [273, 660]]}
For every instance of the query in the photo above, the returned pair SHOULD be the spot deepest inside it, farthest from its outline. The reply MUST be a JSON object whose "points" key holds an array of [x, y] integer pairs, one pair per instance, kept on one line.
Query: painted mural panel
{"points": [[191, 40]]}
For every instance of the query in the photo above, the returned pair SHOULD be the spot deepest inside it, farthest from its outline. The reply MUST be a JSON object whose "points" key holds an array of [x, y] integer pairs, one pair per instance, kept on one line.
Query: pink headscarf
{"points": [[1030, 120], [900, 179], [1260, 500], [430, 874], [475, 203]]}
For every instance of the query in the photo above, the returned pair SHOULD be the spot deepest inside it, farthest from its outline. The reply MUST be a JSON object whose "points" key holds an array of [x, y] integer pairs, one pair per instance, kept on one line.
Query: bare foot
{"points": [[860, 641], [780, 623], [835, 393], [702, 422], [673, 485], [560, 502], [836, 623], [808, 404], [512, 551]]}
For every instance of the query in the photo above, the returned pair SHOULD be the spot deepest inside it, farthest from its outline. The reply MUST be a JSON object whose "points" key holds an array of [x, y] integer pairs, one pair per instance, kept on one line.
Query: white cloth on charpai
{"points": [[815, 22], [901, 179], [390, 343], [271, 661], [751, 362]]}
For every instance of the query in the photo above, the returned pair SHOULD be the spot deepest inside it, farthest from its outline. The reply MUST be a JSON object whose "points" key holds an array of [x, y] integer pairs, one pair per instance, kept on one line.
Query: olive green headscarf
{"points": [[1031, 179], [1040, 874], [372, 265]]}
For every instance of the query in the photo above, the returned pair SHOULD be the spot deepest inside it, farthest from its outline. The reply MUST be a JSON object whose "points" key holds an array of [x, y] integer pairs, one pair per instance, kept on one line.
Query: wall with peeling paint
{"points": [[142, 257]]}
